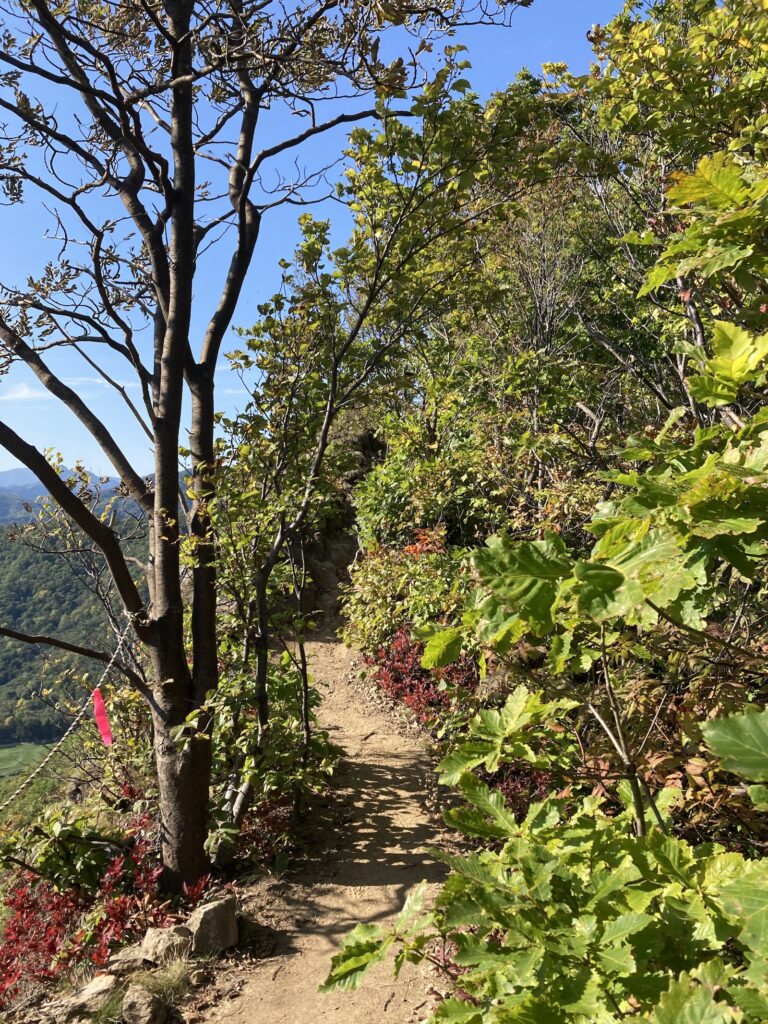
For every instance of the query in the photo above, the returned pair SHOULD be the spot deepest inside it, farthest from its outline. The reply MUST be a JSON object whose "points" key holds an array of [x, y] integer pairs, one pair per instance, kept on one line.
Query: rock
{"points": [[86, 1003], [127, 960], [163, 944], [199, 977], [143, 1007], [214, 926]]}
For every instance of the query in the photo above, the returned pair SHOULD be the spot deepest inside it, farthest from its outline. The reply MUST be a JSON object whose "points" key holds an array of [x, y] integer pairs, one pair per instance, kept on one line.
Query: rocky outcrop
{"points": [[127, 960]]}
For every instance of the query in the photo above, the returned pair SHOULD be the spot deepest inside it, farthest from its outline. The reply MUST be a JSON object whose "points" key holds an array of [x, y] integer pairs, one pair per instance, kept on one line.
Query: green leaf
{"points": [[658, 276], [491, 802], [365, 945], [717, 182], [411, 908], [623, 926], [617, 960], [674, 856], [751, 1001], [442, 648], [605, 593], [736, 353], [674, 417], [746, 900], [731, 256], [741, 743], [469, 755], [455, 1011], [685, 1002], [526, 576], [630, 565], [759, 797], [711, 391], [532, 1011]]}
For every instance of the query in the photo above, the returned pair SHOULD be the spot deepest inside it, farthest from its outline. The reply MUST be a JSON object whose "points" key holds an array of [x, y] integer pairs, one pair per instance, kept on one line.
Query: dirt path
{"points": [[373, 859]]}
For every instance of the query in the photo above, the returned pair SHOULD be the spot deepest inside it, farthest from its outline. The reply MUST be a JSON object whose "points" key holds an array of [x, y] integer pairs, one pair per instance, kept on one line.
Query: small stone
{"points": [[199, 978], [214, 926], [89, 1000], [143, 1007], [163, 944], [127, 960]]}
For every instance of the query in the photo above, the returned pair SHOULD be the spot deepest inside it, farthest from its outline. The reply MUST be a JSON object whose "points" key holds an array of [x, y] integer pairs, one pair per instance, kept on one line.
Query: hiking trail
{"points": [[364, 862]]}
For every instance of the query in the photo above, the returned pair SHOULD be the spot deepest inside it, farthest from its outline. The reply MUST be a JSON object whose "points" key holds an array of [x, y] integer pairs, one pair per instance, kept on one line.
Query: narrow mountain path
{"points": [[364, 865]]}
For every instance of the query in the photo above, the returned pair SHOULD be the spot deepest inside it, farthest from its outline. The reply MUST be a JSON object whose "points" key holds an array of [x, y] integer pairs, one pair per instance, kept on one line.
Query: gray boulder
{"points": [[126, 960], [143, 1007], [163, 944], [214, 926], [86, 1003]]}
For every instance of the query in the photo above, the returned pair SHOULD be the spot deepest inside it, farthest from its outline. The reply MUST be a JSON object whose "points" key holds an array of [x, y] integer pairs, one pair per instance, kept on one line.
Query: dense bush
{"points": [[420, 583], [78, 899], [454, 490], [397, 670]]}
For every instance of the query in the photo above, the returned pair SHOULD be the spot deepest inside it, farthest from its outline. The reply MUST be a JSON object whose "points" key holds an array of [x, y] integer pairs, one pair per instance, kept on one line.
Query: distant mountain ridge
{"points": [[23, 479], [20, 486]]}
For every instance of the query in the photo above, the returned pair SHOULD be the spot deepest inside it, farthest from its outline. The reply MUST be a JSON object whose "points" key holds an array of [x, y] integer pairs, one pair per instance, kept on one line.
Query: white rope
{"points": [[75, 722]]}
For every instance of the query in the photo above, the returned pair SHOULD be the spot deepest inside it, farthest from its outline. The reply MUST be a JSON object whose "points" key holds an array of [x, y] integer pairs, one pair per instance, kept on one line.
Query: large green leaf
{"points": [[736, 356], [365, 945], [526, 577], [685, 1002], [468, 756], [741, 743], [623, 926], [631, 565], [616, 960], [442, 648], [736, 353], [711, 391], [532, 1011], [456, 1011], [491, 802], [605, 593], [746, 900], [717, 182]]}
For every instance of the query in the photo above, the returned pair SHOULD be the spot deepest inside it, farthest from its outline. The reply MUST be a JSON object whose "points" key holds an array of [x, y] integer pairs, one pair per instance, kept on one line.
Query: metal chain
{"points": [[75, 722]]}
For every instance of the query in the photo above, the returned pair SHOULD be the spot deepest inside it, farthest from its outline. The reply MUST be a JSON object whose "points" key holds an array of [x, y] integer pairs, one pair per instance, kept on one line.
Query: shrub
{"points": [[423, 583], [396, 669], [450, 491], [51, 929]]}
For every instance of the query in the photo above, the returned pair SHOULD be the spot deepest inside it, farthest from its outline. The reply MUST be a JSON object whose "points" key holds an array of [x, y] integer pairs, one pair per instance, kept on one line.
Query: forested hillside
{"points": [[39, 595], [47, 589], [520, 414]]}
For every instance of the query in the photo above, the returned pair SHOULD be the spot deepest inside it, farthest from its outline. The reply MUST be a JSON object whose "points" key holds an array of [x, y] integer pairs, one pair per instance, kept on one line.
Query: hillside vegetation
{"points": [[40, 595]]}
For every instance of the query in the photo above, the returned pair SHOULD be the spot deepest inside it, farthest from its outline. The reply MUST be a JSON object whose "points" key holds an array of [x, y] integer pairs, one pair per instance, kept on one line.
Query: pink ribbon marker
{"points": [[100, 714]]}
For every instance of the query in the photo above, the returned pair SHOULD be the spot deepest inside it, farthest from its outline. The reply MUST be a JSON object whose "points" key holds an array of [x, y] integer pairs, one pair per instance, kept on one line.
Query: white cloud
{"points": [[24, 393], [74, 382]]}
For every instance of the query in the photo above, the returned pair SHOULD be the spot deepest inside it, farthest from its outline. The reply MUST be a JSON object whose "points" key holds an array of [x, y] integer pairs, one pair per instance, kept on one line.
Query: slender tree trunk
{"points": [[183, 774], [204, 597], [262, 648]]}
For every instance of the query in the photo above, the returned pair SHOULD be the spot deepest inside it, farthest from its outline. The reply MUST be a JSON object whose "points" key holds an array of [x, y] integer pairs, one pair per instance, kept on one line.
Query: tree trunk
{"points": [[183, 775], [182, 750]]}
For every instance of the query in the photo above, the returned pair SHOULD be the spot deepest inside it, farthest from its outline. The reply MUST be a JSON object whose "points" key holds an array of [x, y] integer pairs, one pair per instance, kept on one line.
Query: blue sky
{"points": [[551, 30]]}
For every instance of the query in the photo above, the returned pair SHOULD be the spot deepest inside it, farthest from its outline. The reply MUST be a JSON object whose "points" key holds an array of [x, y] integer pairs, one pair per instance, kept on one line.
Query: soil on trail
{"points": [[366, 860]]}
